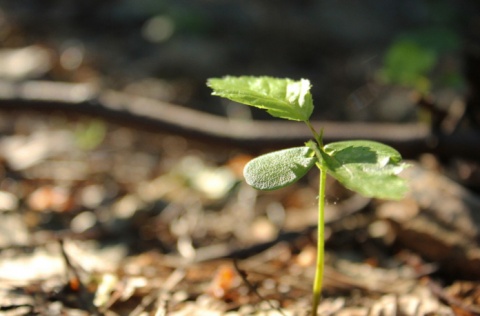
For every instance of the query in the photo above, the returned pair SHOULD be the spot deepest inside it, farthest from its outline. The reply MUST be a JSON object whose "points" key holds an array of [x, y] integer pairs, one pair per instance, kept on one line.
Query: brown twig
{"points": [[451, 300], [411, 139], [85, 297], [253, 289]]}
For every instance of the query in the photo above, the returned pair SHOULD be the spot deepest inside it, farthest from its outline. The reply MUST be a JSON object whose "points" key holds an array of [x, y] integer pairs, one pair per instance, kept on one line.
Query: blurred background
{"points": [[141, 214], [364, 58]]}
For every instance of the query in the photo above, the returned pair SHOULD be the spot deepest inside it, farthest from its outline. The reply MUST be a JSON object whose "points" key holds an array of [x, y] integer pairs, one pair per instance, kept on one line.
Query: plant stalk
{"points": [[318, 282], [318, 138]]}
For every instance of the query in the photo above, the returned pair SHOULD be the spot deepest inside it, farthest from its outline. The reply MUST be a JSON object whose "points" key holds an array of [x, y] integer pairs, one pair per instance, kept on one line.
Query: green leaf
{"points": [[408, 63], [367, 167], [283, 98], [280, 168]]}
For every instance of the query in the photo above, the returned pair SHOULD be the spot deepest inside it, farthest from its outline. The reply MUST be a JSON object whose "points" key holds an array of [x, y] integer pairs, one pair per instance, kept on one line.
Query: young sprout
{"points": [[367, 167]]}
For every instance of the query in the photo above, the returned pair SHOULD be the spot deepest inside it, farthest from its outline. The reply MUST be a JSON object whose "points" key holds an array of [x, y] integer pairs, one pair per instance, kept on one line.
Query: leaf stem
{"points": [[318, 137], [318, 282]]}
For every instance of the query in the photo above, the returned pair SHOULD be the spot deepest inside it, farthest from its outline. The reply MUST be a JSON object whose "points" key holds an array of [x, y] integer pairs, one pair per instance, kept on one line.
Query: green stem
{"points": [[318, 282], [318, 137], [319, 269]]}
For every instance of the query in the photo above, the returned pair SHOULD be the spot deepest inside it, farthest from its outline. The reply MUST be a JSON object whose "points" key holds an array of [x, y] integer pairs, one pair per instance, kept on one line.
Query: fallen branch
{"points": [[411, 139]]}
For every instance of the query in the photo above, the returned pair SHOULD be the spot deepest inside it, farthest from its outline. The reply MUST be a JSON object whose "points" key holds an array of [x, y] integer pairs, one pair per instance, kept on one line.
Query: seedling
{"points": [[367, 167]]}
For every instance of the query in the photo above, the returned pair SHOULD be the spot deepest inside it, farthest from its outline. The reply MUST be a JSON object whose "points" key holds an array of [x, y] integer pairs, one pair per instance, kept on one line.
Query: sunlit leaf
{"points": [[283, 98], [367, 167], [279, 169]]}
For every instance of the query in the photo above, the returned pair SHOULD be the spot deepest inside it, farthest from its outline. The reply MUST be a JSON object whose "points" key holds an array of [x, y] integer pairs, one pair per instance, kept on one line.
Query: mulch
{"points": [[101, 219]]}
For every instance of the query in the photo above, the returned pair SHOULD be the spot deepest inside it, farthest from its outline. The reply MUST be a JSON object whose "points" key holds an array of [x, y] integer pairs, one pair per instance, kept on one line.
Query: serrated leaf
{"points": [[367, 167], [280, 168], [283, 98]]}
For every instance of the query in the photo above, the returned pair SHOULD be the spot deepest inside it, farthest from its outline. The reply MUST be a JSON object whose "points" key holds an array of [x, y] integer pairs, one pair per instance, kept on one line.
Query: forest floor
{"points": [[102, 219]]}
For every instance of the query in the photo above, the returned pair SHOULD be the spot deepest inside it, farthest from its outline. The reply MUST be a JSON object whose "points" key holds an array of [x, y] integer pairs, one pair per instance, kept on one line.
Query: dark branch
{"points": [[410, 139]]}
